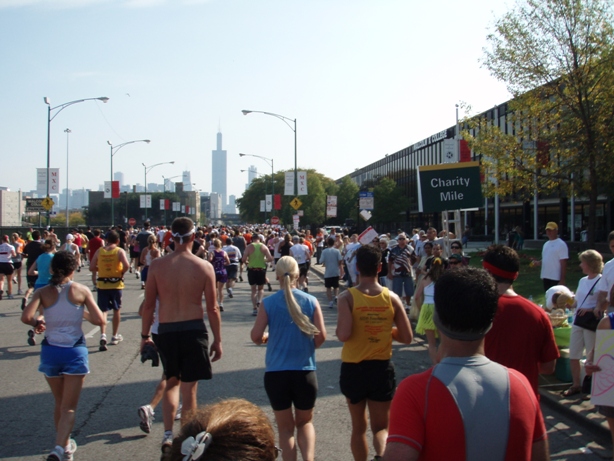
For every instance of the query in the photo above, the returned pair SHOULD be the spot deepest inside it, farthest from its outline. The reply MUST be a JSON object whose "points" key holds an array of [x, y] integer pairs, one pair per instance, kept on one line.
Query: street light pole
{"points": [[285, 120], [114, 150], [270, 162], [147, 169], [67, 131], [60, 108]]}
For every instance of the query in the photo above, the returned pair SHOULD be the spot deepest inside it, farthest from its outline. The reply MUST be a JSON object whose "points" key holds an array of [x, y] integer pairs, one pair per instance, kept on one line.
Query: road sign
{"points": [[296, 203], [47, 203], [132, 221], [274, 220], [365, 200], [35, 204]]}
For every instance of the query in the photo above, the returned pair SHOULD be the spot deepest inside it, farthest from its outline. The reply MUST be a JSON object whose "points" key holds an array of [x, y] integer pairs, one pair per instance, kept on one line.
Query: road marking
{"points": [[93, 332]]}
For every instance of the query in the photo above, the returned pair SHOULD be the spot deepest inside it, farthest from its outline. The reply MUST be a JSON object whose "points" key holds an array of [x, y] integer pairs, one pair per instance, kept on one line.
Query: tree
{"points": [[347, 200], [557, 59], [390, 201]]}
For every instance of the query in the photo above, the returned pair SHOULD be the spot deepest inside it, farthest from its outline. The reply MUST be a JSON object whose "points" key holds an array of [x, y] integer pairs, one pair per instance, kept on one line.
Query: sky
{"points": [[362, 78]]}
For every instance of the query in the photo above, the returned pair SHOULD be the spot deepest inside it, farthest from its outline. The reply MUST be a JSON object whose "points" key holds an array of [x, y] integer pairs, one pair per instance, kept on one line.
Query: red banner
{"points": [[167, 204], [115, 189], [277, 202], [187, 209], [465, 152]]}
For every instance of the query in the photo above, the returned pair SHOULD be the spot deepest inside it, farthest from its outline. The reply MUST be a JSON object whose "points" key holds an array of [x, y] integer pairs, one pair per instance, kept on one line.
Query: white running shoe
{"points": [[146, 414], [178, 414], [70, 450], [103, 343], [115, 340], [57, 454], [167, 442]]}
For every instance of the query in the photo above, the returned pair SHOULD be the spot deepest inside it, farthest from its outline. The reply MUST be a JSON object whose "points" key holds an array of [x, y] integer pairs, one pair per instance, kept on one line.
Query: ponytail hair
{"points": [[63, 264], [287, 269]]}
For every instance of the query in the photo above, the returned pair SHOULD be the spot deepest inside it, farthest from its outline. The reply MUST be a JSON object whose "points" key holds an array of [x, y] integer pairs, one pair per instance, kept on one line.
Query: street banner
{"points": [[108, 193], [289, 183], [450, 151], [365, 200], [145, 201], [176, 206], [331, 200], [367, 235], [41, 181], [187, 209], [277, 202], [268, 199], [295, 221], [450, 186], [262, 205], [183, 209], [162, 203], [167, 204], [115, 189], [331, 211], [302, 183]]}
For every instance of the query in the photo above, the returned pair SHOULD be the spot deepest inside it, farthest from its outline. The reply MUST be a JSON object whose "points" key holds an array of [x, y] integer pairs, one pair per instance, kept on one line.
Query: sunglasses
{"points": [[401, 238], [455, 247]]}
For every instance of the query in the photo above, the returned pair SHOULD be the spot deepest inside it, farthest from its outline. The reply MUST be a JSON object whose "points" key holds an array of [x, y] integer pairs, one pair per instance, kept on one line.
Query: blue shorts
{"points": [[110, 299], [57, 361], [402, 283]]}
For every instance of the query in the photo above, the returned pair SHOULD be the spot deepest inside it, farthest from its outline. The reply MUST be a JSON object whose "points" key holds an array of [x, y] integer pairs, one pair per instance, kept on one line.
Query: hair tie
{"points": [[286, 274], [437, 261], [193, 448], [499, 272]]}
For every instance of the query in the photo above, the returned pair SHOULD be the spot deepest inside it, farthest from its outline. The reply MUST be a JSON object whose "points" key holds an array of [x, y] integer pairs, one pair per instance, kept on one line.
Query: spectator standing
{"points": [[554, 258]]}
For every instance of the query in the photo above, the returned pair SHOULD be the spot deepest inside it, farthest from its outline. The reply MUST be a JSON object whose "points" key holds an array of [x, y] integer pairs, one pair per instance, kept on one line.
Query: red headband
{"points": [[499, 272]]}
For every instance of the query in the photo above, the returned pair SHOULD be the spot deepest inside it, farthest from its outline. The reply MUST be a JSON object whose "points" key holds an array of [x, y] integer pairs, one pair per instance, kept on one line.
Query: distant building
{"points": [[252, 172], [187, 181], [215, 206], [219, 170], [231, 208], [119, 176], [12, 207]]}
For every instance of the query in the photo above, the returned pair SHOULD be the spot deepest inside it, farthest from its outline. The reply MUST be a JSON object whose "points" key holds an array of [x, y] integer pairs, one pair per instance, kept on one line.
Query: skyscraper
{"points": [[187, 181], [219, 170]]}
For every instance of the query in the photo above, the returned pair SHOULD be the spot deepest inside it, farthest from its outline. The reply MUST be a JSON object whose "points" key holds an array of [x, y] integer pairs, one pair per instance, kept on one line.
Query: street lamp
{"points": [[147, 170], [60, 108], [67, 131], [285, 120], [270, 162], [114, 150]]}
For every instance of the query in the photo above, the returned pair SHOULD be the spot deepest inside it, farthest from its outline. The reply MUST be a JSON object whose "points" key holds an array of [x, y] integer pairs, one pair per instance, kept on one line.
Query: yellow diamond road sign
{"points": [[47, 203], [296, 203]]}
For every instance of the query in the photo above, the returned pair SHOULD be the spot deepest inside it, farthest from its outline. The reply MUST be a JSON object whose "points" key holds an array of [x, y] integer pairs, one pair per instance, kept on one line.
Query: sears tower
{"points": [[218, 170]]}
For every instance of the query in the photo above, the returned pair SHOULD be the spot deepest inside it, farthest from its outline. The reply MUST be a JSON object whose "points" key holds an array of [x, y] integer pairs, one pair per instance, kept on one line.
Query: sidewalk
{"points": [[581, 412]]}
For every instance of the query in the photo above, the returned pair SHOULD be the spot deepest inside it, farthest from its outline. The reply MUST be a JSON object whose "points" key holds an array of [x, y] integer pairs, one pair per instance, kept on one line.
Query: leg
{"points": [[285, 428], [358, 413], [574, 364], [189, 401], [260, 294], [103, 327], [329, 294], [432, 345], [305, 434], [158, 393], [379, 413], [254, 289], [117, 317], [170, 402], [66, 391], [220, 293], [1, 282]]}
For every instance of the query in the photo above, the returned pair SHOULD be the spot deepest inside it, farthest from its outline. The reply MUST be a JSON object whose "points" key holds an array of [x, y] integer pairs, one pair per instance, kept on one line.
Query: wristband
{"points": [[145, 336]]}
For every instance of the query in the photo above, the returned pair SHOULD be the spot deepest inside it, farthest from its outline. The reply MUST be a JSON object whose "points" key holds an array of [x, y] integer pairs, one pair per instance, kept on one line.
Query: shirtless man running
{"points": [[178, 282]]}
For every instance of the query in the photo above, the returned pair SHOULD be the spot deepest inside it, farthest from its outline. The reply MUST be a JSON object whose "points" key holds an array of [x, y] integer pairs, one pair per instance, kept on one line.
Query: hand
{"points": [[40, 326], [215, 352], [590, 368], [145, 341], [265, 338]]}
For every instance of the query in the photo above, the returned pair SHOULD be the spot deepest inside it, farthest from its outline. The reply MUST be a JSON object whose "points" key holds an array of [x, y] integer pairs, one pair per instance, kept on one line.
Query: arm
{"points": [[142, 258], [318, 321], [344, 316], [213, 313], [267, 254], [148, 306], [390, 265], [419, 294], [400, 452], [563, 271], [262, 320], [540, 451], [33, 270], [29, 315], [94, 262], [401, 332], [92, 313], [226, 259], [248, 251], [124, 260], [547, 368]]}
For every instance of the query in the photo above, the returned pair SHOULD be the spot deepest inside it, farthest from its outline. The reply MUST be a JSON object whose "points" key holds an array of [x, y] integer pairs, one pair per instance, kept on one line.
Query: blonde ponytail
{"points": [[287, 269]]}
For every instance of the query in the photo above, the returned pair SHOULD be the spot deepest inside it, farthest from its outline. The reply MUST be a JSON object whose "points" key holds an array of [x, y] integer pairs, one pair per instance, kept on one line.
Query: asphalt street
{"points": [[107, 422]]}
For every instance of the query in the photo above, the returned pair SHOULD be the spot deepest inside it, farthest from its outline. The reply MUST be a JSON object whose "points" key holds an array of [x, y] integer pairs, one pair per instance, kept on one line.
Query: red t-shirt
{"points": [[464, 406], [248, 238], [521, 337], [93, 246]]}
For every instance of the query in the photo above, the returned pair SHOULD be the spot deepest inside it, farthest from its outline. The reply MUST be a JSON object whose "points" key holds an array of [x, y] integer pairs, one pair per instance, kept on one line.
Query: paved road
{"points": [[107, 422]]}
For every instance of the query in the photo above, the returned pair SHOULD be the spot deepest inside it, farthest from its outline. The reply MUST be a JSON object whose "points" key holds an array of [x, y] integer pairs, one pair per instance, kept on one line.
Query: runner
{"points": [[32, 251], [234, 255], [111, 264], [18, 244], [301, 253], [178, 281], [7, 253], [256, 257], [219, 259], [92, 247], [147, 256], [332, 261]]}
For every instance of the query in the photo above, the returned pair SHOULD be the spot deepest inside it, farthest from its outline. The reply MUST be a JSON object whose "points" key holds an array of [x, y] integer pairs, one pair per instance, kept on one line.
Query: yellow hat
{"points": [[552, 226]]}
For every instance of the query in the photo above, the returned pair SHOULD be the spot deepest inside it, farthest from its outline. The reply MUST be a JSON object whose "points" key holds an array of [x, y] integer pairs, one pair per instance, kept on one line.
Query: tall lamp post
{"points": [[270, 162], [59, 109], [287, 121], [67, 131], [147, 169], [114, 150]]}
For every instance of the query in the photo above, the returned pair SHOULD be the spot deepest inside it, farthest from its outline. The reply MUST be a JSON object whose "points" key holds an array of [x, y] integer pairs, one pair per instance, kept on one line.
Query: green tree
{"points": [[347, 200], [556, 57], [390, 202]]}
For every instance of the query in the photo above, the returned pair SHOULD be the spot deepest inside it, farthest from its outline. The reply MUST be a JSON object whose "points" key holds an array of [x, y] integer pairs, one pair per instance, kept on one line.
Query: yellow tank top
{"points": [[372, 321], [109, 267]]}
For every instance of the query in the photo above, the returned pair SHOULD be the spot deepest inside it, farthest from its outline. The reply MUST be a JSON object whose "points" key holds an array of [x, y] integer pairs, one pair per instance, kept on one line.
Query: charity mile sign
{"points": [[450, 186]]}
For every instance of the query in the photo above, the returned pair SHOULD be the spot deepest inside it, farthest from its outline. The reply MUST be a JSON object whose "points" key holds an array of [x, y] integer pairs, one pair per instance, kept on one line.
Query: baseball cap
{"points": [[70, 237], [552, 226], [296, 238]]}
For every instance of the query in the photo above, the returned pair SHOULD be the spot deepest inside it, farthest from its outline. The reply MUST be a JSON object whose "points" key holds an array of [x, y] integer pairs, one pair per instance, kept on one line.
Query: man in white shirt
{"points": [[606, 282], [554, 258], [301, 253]]}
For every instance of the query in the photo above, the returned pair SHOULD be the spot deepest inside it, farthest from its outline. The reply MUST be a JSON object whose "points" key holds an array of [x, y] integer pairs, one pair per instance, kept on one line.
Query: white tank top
{"points": [[429, 293], [63, 320]]}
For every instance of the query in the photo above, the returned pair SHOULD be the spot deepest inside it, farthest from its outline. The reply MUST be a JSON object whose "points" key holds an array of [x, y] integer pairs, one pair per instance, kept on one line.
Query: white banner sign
{"points": [[162, 203], [107, 189], [450, 151], [262, 208], [176, 206], [289, 183], [302, 183], [331, 211], [269, 202], [145, 201], [331, 200], [183, 208], [295, 221], [41, 181]]}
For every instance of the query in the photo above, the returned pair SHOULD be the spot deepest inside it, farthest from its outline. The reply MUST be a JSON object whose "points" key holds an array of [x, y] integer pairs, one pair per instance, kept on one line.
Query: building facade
{"points": [[219, 167]]}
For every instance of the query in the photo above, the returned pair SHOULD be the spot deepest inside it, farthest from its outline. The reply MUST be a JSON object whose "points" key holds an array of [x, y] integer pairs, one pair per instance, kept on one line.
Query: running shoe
{"points": [[229, 291], [23, 303], [178, 414], [146, 414], [19, 292], [78, 268], [14, 279], [115, 340], [94, 288], [142, 286], [9, 296], [331, 305], [167, 442], [1, 292], [221, 306], [31, 339], [57, 454], [137, 274], [306, 290], [103, 343], [255, 312], [70, 450], [240, 280], [131, 270], [269, 285]]}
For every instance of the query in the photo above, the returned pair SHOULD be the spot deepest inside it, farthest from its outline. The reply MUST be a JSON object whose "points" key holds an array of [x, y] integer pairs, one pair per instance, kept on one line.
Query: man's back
{"points": [[179, 281]]}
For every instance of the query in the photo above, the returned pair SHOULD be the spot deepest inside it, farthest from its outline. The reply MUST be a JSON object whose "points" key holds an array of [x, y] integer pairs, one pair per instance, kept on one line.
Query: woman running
{"points": [[219, 259], [425, 301], [147, 256], [296, 329], [58, 310]]}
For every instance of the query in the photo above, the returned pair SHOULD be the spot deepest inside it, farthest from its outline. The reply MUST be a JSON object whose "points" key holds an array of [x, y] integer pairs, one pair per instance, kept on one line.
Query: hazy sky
{"points": [[362, 78]]}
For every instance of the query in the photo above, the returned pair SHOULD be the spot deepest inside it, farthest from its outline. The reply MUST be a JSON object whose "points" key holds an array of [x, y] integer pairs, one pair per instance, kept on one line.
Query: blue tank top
{"points": [[43, 263], [288, 348], [63, 321], [219, 262]]}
